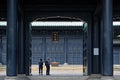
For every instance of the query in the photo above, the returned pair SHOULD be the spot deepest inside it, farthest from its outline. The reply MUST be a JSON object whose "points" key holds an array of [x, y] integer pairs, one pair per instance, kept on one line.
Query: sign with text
{"points": [[96, 51]]}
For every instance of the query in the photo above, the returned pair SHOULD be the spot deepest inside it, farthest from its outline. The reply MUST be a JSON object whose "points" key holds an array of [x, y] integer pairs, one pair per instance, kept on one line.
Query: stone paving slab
{"points": [[2, 77], [57, 78]]}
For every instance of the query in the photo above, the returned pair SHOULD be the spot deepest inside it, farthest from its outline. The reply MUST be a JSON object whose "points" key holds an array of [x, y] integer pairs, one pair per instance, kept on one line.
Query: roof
{"points": [[30, 6]]}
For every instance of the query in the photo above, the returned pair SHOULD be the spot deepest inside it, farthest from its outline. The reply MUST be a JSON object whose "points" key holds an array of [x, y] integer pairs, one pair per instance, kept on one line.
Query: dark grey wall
{"points": [[116, 56], [55, 50], [68, 48]]}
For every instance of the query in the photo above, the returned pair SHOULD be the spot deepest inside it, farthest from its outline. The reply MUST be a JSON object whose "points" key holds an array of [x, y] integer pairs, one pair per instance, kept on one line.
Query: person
{"points": [[40, 67], [47, 64]]}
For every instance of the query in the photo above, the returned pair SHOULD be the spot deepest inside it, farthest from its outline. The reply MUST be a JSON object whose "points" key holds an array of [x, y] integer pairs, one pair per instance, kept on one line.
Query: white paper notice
{"points": [[96, 51]]}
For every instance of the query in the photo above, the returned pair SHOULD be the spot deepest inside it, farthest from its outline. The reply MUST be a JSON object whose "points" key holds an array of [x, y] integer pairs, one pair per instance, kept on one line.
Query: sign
{"points": [[96, 51], [55, 36]]}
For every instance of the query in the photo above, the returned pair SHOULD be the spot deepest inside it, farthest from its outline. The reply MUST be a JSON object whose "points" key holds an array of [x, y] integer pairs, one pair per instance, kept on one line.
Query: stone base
{"points": [[19, 77], [94, 77], [107, 78], [11, 78], [22, 77]]}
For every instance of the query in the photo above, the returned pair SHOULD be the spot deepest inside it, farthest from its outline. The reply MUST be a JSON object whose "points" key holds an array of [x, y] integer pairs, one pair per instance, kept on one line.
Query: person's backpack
{"points": [[40, 63], [46, 63]]}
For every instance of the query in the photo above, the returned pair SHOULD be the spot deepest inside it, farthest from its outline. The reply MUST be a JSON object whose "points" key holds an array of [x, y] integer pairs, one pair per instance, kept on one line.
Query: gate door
{"points": [[75, 50], [37, 51], [85, 51]]}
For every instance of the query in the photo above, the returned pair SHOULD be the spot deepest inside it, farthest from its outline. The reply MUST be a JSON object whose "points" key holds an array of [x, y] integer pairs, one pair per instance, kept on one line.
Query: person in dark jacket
{"points": [[40, 67], [47, 64]]}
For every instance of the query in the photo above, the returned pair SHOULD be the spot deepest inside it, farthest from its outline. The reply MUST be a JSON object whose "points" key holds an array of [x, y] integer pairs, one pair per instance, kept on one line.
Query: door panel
{"points": [[36, 49], [4, 47], [116, 56], [85, 49], [74, 51]]}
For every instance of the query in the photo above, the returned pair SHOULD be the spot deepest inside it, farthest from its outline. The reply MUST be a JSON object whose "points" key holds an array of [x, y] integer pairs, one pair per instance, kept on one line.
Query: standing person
{"points": [[47, 64], [40, 67]]}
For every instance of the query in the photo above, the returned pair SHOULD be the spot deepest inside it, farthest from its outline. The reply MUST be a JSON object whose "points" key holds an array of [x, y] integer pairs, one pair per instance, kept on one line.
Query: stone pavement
{"points": [[62, 72], [2, 77], [58, 78]]}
